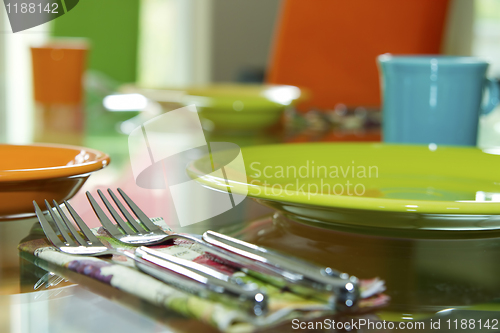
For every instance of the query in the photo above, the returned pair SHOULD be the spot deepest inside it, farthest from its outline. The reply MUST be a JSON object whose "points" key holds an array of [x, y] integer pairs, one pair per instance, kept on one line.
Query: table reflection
{"points": [[423, 275]]}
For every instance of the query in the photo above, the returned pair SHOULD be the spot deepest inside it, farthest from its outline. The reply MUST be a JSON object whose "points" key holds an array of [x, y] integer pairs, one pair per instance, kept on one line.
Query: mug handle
{"points": [[494, 96]]}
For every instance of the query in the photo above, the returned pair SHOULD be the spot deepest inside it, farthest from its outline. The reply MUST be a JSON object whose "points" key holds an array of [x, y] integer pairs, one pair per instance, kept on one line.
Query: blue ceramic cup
{"points": [[434, 99]]}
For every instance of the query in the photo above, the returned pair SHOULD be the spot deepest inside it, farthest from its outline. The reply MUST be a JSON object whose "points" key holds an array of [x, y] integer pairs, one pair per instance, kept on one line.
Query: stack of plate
{"points": [[399, 187], [423, 218]]}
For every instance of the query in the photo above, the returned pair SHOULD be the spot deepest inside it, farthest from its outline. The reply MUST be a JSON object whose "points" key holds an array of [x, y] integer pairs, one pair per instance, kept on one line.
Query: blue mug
{"points": [[434, 99]]}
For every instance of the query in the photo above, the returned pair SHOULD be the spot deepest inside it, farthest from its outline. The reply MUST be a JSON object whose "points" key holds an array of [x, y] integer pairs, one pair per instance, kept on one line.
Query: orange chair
{"points": [[330, 46]]}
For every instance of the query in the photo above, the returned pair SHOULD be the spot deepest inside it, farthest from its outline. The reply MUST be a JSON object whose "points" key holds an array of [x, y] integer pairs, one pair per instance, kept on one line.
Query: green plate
{"points": [[241, 107], [370, 185], [230, 107]]}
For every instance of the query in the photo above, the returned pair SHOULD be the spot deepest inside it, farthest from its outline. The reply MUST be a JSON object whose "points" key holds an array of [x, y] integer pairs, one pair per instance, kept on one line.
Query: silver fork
{"points": [[183, 274], [339, 290], [135, 234]]}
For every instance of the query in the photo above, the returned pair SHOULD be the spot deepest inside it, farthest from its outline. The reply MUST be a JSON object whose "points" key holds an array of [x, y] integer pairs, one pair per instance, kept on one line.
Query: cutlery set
{"points": [[339, 290]]}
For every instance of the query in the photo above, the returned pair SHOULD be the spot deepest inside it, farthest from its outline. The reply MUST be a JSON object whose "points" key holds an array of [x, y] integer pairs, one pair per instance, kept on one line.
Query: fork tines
{"points": [[71, 236], [129, 226], [181, 273]]}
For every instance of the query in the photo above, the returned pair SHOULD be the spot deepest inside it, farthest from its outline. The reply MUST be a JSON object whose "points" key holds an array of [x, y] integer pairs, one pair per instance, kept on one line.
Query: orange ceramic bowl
{"points": [[39, 172]]}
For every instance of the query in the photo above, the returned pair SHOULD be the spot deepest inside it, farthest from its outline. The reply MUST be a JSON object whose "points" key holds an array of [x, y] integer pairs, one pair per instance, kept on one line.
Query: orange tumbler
{"points": [[58, 69]]}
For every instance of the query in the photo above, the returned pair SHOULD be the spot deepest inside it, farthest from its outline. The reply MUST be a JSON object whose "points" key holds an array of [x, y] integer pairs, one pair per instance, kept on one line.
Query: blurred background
{"points": [[168, 43], [327, 48], [150, 42]]}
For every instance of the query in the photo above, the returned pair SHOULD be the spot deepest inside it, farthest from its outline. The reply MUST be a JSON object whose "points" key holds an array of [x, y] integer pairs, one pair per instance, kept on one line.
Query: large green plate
{"points": [[376, 185]]}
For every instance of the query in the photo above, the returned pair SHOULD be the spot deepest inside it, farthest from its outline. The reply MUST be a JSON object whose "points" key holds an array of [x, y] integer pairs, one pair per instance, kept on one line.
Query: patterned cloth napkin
{"points": [[120, 272]]}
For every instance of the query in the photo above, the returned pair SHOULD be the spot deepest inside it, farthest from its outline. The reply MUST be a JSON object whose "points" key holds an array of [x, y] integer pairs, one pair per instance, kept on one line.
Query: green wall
{"points": [[111, 26]]}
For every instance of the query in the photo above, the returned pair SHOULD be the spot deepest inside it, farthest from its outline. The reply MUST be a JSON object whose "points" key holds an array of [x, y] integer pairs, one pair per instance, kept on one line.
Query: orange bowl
{"points": [[43, 171]]}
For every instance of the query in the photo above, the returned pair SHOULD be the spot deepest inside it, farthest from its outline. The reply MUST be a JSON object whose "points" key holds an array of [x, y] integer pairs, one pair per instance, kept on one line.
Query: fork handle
{"points": [[247, 296], [340, 290]]}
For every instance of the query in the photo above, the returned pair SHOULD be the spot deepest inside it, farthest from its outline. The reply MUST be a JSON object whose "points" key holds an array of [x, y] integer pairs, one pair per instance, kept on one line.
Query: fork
{"points": [[339, 290], [183, 274], [135, 234]]}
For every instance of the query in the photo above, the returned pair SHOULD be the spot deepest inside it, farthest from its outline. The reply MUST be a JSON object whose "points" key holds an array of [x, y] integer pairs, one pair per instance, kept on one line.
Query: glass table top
{"points": [[423, 277]]}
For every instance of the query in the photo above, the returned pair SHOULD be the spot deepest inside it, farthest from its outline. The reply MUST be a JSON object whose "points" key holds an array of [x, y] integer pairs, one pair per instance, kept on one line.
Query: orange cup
{"points": [[58, 69]]}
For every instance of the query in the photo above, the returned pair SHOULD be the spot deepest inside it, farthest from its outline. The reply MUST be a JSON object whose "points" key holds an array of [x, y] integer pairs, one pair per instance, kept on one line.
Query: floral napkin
{"points": [[120, 273]]}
